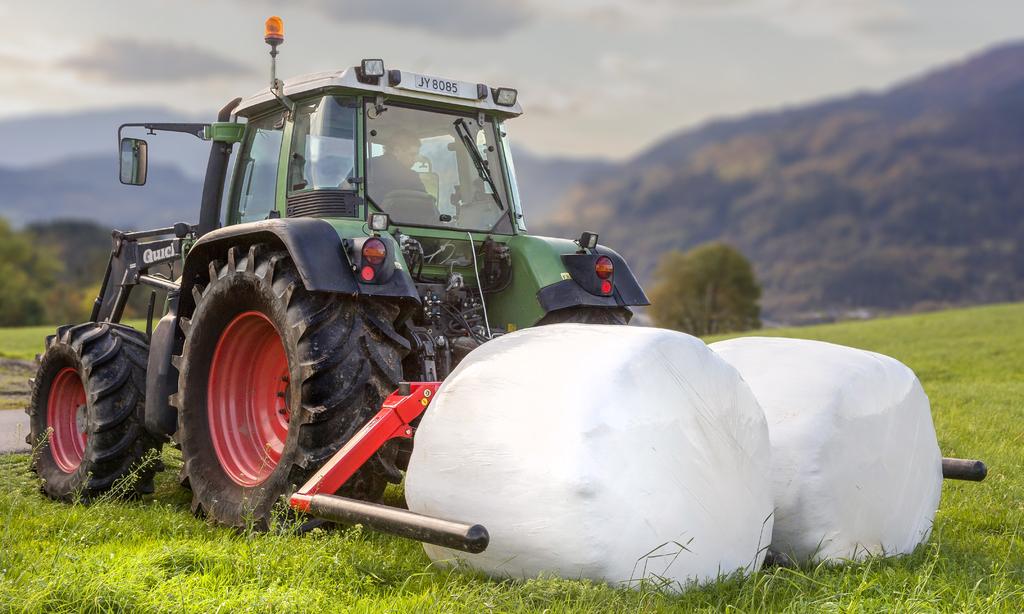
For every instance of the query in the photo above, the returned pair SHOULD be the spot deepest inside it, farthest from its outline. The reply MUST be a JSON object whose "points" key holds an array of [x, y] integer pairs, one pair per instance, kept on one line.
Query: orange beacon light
{"points": [[273, 32]]}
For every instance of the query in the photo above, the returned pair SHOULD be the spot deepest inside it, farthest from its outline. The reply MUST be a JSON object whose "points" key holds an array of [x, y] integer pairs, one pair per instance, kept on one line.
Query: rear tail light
{"points": [[374, 266], [374, 251], [604, 269]]}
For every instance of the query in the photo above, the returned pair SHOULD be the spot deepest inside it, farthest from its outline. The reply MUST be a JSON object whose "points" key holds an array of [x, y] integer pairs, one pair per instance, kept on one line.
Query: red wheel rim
{"points": [[247, 399], [67, 443]]}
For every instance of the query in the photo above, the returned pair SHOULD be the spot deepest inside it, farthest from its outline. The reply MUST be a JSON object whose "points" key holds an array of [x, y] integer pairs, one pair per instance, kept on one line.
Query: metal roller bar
{"points": [[437, 531], [963, 469]]}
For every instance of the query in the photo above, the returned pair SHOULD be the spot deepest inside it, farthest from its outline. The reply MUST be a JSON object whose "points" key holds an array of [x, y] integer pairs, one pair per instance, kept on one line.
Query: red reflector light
{"points": [[604, 268], [374, 251], [367, 273], [606, 286]]}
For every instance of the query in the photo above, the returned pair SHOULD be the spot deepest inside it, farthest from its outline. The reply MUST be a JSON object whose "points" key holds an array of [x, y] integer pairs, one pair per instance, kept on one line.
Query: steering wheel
{"points": [[411, 205]]}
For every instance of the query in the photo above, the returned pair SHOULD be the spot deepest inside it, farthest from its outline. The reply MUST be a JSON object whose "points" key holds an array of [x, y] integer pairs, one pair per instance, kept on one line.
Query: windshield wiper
{"points": [[478, 161]]}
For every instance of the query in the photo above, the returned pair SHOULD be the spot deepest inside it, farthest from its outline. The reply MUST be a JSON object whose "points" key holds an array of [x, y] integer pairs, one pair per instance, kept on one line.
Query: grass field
{"points": [[25, 342], [152, 555]]}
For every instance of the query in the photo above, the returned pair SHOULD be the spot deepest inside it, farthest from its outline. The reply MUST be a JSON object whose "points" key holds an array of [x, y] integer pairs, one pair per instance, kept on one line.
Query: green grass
{"points": [[152, 555], [23, 343]]}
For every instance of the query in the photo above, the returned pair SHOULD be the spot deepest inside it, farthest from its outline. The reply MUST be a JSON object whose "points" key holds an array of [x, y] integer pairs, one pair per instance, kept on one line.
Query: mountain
{"points": [[909, 198], [64, 166], [87, 188], [48, 137], [545, 180]]}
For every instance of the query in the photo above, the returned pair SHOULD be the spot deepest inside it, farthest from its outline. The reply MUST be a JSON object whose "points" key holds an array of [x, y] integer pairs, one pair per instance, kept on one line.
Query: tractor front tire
{"points": [[87, 413], [274, 379], [588, 315]]}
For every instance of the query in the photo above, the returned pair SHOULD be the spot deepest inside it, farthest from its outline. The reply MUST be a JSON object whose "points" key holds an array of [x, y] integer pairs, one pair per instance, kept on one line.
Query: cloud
{"points": [[466, 19], [123, 60], [620, 66], [864, 26], [867, 27]]}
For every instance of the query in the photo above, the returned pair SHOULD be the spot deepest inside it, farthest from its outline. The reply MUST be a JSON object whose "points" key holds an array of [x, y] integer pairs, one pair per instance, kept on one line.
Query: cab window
{"points": [[255, 189], [324, 147]]}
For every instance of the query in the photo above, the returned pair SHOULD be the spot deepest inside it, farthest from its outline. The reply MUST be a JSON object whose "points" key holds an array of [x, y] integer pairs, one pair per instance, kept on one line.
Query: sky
{"points": [[596, 78]]}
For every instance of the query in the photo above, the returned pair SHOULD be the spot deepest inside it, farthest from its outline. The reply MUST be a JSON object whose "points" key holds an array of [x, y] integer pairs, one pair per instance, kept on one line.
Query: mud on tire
{"points": [[337, 359], [90, 390]]}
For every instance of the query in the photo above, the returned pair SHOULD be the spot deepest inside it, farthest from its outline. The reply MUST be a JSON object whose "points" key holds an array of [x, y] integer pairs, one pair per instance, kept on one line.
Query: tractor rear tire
{"points": [[274, 379], [588, 315], [88, 404]]}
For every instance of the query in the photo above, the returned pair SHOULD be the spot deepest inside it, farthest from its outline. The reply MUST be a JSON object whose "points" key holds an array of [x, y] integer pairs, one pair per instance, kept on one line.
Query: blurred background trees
{"points": [[27, 275], [708, 290], [50, 272]]}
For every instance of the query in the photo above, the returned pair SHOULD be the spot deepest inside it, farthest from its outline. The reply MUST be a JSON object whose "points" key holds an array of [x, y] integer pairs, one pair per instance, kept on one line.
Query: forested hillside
{"points": [[906, 199]]}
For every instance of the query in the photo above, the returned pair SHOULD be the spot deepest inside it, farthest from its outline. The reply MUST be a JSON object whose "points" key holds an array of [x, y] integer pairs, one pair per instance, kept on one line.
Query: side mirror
{"points": [[133, 158]]}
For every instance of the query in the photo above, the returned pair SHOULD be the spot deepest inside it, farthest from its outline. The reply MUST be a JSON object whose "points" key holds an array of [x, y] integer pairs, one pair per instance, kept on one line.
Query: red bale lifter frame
{"points": [[317, 498]]}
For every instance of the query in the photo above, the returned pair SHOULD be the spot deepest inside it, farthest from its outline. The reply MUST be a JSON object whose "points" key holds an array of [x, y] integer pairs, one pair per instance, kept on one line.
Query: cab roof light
{"points": [[370, 71], [505, 96], [587, 240]]}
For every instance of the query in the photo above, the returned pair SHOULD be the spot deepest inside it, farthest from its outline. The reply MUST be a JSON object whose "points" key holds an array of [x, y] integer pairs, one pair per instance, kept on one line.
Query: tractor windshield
{"points": [[432, 168]]}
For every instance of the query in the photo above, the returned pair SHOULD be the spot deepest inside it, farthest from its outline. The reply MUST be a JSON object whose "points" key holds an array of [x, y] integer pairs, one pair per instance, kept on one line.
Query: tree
{"points": [[709, 289], [27, 274]]}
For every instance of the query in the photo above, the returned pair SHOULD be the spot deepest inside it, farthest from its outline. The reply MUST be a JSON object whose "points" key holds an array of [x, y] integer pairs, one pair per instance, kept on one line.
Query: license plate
{"points": [[436, 85]]}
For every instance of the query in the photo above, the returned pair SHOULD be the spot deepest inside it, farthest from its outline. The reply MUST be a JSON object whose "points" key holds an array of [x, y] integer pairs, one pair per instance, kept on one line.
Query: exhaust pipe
{"points": [[403, 523], [963, 469]]}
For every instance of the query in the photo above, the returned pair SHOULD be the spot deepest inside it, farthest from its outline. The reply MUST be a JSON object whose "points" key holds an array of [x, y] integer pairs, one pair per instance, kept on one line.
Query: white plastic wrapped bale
{"points": [[856, 467], [606, 452]]}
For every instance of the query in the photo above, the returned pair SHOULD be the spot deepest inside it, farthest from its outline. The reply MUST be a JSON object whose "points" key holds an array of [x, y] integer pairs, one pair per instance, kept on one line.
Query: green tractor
{"points": [[368, 233]]}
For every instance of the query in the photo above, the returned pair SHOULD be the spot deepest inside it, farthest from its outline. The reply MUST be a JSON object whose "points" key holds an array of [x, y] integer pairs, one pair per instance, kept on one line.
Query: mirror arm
{"points": [[196, 130]]}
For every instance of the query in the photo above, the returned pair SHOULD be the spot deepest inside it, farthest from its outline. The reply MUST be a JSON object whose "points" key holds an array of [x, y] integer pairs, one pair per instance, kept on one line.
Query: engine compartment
{"points": [[452, 319]]}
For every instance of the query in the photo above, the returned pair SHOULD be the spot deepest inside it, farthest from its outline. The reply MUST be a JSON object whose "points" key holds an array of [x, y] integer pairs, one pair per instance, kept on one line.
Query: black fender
{"points": [[582, 289], [315, 247]]}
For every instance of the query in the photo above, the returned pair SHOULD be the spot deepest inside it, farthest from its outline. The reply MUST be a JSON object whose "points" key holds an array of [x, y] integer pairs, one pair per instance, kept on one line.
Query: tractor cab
{"points": [[425, 151]]}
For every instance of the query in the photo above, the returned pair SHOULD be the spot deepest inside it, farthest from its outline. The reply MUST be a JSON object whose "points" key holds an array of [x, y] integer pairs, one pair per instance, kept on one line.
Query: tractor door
{"points": [[255, 185]]}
